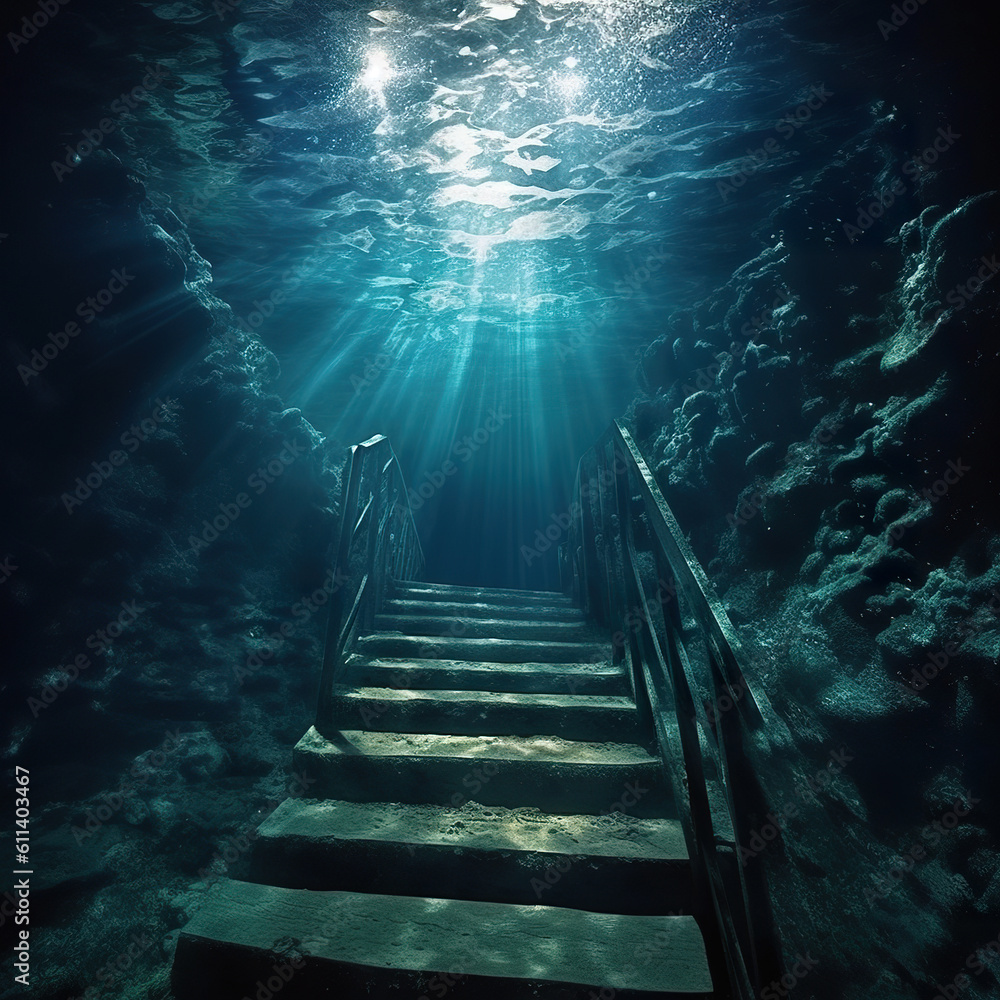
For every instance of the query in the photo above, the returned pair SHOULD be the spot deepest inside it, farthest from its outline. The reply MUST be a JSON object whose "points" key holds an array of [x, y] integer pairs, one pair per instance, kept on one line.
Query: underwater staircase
{"points": [[490, 808]]}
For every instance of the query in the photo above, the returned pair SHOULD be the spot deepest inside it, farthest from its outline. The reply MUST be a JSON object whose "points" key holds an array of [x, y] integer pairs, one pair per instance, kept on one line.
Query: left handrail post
{"points": [[371, 549]]}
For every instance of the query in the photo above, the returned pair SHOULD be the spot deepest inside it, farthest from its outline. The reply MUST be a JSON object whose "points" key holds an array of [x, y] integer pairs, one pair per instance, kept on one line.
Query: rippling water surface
{"points": [[437, 212]]}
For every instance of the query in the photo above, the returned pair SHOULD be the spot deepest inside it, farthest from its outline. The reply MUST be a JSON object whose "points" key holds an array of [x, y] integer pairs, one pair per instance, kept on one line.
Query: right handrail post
{"points": [[609, 577]]}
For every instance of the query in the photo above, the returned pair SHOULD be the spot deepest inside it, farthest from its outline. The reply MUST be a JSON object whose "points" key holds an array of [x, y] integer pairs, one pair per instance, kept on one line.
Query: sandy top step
{"points": [[494, 650], [570, 702], [483, 609], [410, 664], [499, 595], [535, 749]]}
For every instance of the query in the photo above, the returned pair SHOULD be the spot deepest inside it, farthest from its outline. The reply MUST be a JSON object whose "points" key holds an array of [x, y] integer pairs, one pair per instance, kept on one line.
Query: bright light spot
{"points": [[527, 164], [378, 72], [570, 86], [501, 11], [571, 62]]}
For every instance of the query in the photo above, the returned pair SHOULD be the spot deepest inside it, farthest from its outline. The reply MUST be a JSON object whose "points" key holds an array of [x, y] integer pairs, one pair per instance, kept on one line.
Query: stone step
{"points": [[491, 595], [248, 938], [544, 772], [394, 644], [462, 627], [611, 864], [482, 609], [473, 713], [461, 675]]}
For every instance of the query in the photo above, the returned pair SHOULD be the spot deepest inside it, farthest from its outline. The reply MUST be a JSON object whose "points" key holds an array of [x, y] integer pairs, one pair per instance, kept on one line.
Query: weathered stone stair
{"points": [[484, 816]]}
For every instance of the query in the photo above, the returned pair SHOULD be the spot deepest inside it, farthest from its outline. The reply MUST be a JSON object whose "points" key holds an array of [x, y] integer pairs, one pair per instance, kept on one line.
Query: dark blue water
{"points": [[486, 230], [431, 216]]}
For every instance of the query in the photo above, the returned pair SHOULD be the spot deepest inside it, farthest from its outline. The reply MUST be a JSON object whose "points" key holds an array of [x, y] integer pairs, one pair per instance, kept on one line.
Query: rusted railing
{"points": [[629, 565], [377, 544]]}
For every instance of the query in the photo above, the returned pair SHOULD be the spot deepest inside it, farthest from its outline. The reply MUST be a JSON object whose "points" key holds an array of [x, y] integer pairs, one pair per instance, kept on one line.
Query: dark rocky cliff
{"points": [[822, 424]]}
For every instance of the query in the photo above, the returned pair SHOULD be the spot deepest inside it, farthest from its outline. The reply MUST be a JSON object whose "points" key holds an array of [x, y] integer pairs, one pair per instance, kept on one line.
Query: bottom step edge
{"points": [[249, 938]]}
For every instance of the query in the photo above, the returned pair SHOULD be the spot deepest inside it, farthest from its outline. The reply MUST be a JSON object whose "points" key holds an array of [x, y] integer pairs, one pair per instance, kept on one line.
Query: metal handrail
{"points": [[707, 761], [377, 544]]}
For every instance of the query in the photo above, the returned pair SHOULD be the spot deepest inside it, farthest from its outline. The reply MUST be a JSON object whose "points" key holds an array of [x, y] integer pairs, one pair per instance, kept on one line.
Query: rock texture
{"points": [[164, 515], [821, 424]]}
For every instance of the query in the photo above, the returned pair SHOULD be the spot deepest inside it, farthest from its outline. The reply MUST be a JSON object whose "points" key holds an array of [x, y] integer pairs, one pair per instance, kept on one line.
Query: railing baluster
{"points": [[608, 576], [377, 543]]}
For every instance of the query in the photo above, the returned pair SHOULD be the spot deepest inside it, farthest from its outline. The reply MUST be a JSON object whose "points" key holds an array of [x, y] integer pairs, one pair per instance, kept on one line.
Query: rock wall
{"points": [[165, 527], [822, 426]]}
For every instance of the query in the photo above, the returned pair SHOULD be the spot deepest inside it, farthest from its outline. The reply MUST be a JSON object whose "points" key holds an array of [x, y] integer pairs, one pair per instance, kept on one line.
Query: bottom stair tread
{"points": [[400, 942]]}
